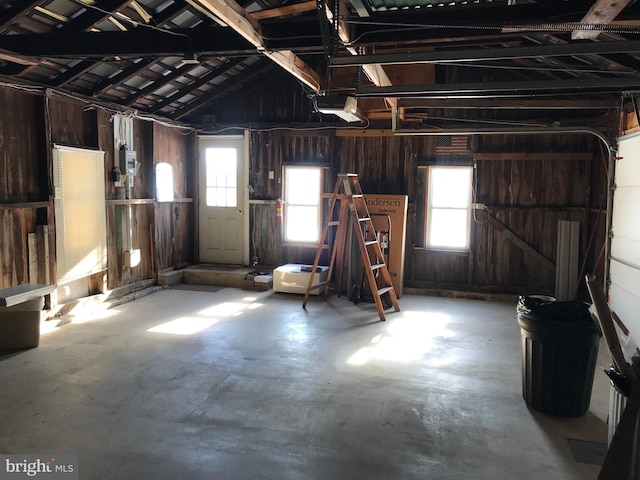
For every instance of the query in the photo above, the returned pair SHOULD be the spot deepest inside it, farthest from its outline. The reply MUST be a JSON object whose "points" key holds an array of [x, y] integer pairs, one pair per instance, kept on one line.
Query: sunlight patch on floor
{"points": [[204, 319], [406, 339], [184, 325]]}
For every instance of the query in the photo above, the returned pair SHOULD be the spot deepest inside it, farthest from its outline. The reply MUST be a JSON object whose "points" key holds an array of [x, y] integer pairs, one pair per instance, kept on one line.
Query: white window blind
{"points": [[80, 213]]}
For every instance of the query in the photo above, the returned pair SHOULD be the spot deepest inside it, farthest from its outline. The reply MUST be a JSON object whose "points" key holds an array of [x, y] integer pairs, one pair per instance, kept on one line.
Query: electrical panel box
{"points": [[128, 162]]}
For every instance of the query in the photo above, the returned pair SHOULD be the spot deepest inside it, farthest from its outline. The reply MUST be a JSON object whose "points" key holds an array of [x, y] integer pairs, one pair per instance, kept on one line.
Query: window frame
{"points": [[234, 189], [287, 204], [429, 208]]}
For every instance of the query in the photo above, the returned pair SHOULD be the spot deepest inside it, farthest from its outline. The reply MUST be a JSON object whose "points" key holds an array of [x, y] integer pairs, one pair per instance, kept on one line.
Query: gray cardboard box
{"points": [[20, 324]]}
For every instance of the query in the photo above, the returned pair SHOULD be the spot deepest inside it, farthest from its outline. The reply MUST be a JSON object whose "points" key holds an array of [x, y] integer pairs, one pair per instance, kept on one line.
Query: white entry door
{"points": [[222, 199]]}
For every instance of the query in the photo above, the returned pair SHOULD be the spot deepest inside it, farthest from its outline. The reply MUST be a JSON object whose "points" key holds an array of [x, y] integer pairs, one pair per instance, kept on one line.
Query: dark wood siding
{"points": [[527, 183], [71, 124], [162, 232], [173, 221], [24, 184], [21, 164]]}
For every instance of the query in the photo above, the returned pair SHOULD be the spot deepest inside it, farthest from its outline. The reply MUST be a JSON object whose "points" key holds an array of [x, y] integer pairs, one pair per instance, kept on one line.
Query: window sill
{"points": [[304, 245], [446, 251]]}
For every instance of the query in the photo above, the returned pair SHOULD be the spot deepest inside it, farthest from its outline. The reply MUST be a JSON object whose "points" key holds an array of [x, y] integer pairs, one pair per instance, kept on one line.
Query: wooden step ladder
{"points": [[353, 207]]}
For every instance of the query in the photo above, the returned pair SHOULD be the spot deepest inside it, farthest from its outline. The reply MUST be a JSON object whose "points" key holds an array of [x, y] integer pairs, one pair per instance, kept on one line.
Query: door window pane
{"points": [[220, 176]]}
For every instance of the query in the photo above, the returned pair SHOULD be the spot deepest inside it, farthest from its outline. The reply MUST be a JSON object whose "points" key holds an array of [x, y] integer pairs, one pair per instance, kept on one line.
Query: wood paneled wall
{"points": [[17, 223], [174, 220], [24, 180], [29, 124], [71, 124], [528, 185], [23, 171]]}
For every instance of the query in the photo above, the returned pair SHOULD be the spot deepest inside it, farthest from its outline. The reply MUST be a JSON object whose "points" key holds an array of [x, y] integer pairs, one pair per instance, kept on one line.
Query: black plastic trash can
{"points": [[559, 351]]}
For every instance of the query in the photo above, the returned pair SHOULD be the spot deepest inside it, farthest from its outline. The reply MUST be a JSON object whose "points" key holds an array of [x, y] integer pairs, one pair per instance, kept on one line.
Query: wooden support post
{"points": [[32, 242], [42, 238]]}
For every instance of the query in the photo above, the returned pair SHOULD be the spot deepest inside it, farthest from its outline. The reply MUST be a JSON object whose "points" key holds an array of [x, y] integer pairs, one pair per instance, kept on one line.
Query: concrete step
{"points": [[170, 277], [216, 275]]}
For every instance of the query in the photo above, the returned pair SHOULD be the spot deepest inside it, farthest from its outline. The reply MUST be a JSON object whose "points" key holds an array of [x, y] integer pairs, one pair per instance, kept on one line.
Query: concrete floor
{"points": [[268, 391]]}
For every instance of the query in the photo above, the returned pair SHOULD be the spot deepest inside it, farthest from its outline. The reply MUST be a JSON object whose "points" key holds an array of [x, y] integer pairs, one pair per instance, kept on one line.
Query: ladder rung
{"points": [[364, 219], [357, 195], [319, 284], [377, 266], [334, 223], [370, 242], [383, 290]]}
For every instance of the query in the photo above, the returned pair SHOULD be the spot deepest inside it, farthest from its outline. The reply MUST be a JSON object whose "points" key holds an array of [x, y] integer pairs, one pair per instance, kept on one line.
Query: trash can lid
{"points": [[543, 307]]}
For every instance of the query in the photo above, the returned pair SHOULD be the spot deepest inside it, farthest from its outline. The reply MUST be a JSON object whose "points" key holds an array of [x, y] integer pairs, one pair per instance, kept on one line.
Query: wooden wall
{"points": [[528, 185], [24, 193], [174, 232], [161, 231]]}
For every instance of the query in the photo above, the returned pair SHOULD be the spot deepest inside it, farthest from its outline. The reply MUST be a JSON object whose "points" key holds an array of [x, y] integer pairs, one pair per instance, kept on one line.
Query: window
{"points": [[221, 177], [80, 212], [449, 208], [302, 187], [164, 182]]}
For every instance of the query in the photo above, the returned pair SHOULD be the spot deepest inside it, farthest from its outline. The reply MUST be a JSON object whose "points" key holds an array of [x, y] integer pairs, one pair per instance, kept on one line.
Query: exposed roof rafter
{"points": [[239, 20], [181, 92], [602, 12]]}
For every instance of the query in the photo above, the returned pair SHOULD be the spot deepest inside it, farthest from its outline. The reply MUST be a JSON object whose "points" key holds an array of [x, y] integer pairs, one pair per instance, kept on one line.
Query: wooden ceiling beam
{"points": [[575, 64], [248, 74], [83, 22], [92, 17], [72, 73], [283, 11], [137, 42], [360, 8], [17, 11], [239, 20], [126, 74], [164, 17], [601, 13], [181, 92], [158, 84], [21, 60], [374, 72]]}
